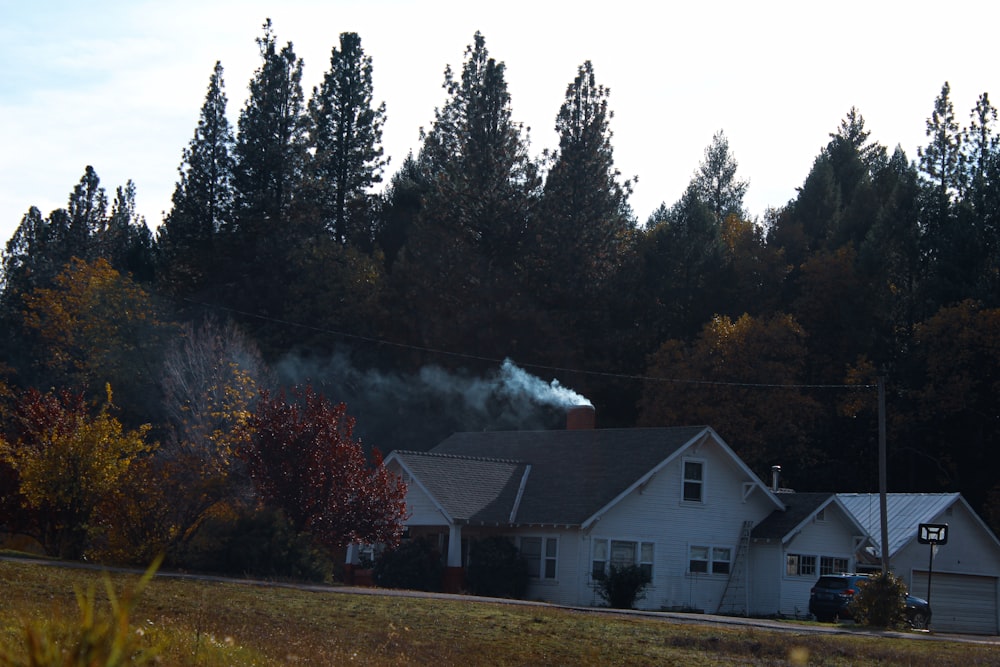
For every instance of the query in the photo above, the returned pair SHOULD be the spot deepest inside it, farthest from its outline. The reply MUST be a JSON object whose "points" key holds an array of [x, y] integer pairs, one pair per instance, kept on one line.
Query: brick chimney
{"points": [[580, 417]]}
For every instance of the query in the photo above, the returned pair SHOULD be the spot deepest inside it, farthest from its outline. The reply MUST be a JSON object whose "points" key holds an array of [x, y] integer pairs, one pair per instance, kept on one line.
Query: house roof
{"points": [[800, 507], [467, 488], [564, 477], [904, 513]]}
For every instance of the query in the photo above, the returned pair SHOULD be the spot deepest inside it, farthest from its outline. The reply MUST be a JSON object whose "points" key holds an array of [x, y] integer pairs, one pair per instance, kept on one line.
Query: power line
{"points": [[493, 360]]}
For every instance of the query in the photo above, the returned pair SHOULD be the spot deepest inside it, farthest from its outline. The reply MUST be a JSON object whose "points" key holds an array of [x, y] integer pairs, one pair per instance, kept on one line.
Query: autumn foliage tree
{"points": [[739, 377], [67, 461], [304, 459]]}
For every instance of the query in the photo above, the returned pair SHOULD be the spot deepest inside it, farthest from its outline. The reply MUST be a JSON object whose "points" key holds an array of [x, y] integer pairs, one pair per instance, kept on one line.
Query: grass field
{"points": [[211, 623]]}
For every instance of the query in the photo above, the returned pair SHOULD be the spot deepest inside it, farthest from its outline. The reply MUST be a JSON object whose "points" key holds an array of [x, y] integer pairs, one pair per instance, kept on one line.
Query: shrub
{"points": [[496, 569], [880, 602], [623, 586], [262, 544], [415, 565]]}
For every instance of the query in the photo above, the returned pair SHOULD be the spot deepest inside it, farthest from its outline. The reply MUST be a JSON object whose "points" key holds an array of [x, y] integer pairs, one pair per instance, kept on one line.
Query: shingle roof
{"points": [[573, 474], [904, 513], [799, 507], [482, 490]]}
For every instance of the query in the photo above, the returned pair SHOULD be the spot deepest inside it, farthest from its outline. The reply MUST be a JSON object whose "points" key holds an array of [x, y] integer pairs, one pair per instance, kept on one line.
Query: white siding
{"points": [[657, 514], [766, 568], [421, 510]]}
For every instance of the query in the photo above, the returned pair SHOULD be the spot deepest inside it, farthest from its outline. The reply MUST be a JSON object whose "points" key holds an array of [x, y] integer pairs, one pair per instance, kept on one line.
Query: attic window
{"points": [[694, 481]]}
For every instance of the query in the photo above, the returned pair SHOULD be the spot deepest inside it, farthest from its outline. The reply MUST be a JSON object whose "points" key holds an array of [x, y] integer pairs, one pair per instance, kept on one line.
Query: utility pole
{"points": [[883, 511]]}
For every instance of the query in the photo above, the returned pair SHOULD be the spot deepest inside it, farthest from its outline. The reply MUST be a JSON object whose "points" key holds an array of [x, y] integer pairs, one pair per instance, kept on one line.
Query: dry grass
{"points": [[206, 623]]}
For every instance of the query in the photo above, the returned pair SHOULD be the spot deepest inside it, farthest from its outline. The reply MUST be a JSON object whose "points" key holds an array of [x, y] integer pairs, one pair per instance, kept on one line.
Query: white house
{"points": [[681, 504], [676, 501], [964, 573]]}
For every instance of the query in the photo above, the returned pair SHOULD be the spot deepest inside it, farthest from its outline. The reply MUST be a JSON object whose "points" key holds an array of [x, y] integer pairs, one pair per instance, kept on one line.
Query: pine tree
{"points": [[462, 254], [272, 140], [347, 135], [716, 182], [203, 197]]}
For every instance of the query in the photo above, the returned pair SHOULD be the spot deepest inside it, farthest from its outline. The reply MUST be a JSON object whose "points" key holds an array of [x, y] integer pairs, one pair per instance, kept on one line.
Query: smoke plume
{"points": [[417, 411]]}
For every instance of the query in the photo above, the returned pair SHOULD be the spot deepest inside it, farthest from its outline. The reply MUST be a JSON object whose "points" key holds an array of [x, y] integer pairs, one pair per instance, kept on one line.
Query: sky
{"points": [[119, 85]]}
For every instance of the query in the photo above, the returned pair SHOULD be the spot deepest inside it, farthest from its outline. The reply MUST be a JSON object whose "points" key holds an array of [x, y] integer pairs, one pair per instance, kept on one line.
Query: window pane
{"points": [[622, 553], [550, 568], [531, 547], [699, 553], [647, 568], [807, 565], [699, 566], [601, 550], [550, 547], [692, 470], [692, 491], [720, 553], [792, 564], [646, 555]]}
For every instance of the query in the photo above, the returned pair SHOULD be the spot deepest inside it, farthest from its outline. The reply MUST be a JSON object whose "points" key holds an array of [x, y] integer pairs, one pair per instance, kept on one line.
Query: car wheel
{"points": [[918, 621]]}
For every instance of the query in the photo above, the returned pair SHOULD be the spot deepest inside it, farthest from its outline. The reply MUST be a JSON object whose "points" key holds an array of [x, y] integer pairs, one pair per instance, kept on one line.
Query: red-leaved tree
{"points": [[303, 459]]}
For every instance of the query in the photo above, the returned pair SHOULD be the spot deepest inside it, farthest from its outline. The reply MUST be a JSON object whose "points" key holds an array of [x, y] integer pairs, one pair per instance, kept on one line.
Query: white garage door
{"points": [[959, 602]]}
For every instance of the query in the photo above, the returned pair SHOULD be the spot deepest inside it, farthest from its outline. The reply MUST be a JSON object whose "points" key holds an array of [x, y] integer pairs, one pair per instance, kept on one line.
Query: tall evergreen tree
{"points": [[716, 182], [271, 154], [949, 238], [584, 225], [203, 197], [347, 136], [981, 146], [271, 146], [462, 254]]}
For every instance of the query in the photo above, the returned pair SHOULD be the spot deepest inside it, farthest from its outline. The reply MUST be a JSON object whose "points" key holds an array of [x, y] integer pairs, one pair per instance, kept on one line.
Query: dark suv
{"points": [[831, 597]]}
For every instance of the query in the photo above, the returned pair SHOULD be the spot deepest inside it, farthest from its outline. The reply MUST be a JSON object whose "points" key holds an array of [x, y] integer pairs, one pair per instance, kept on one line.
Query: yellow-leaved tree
{"points": [[67, 460], [96, 326]]}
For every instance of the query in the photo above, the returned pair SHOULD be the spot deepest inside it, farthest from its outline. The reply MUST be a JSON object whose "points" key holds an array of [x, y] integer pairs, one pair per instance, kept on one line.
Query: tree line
{"points": [[280, 244]]}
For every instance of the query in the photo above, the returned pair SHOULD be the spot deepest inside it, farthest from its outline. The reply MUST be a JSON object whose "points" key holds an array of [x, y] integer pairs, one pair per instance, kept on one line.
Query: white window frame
{"points": [[801, 565], [543, 565], [717, 559], [699, 482], [601, 555], [834, 565]]}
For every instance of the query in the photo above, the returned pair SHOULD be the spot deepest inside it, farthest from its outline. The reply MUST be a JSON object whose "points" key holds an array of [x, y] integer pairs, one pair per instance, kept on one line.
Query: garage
{"points": [[959, 602]]}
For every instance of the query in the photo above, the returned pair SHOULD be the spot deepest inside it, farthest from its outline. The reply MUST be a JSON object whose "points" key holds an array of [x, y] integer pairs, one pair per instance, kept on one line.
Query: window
{"points": [[540, 554], [599, 563], [721, 557], [621, 553], [698, 561], [694, 481], [832, 565], [800, 565], [705, 559]]}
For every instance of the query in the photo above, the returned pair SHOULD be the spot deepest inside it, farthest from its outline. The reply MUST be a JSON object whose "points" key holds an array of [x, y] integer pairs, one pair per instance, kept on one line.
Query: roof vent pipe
{"points": [[775, 475]]}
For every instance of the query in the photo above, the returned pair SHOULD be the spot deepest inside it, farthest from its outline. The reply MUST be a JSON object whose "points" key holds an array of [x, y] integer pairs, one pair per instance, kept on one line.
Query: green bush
{"points": [[496, 569], [415, 565], [880, 602], [623, 586]]}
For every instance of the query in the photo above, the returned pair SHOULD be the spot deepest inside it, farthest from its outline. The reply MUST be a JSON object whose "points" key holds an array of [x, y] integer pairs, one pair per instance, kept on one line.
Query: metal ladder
{"points": [[734, 598]]}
